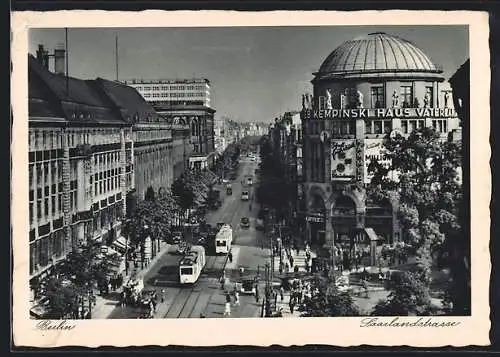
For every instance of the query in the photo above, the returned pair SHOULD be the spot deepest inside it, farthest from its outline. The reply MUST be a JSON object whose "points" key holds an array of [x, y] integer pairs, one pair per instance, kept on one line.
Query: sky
{"points": [[257, 73]]}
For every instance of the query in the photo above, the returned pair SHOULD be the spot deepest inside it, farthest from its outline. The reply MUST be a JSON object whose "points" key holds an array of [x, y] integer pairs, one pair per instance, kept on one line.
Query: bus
{"points": [[191, 265], [224, 239]]}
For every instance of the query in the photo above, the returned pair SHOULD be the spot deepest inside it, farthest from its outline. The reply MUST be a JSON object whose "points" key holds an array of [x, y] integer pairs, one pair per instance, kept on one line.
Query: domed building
{"points": [[368, 87]]}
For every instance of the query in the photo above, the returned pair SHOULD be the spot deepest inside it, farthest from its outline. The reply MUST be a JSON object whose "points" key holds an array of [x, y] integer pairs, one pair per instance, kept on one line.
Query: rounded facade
{"points": [[365, 89]]}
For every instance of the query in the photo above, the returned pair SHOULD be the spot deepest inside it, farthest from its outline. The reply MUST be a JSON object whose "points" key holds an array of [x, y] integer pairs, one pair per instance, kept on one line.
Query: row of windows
{"points": [[43, 250], [174, 95], [172, 87], [52, 139], [405, 98], [378, 127]]}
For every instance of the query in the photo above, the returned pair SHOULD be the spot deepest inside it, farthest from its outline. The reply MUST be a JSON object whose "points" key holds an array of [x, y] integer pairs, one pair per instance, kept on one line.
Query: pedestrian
{"points": [[257, 297], [291, 305], [242, 271], [109, 288], [222, 281], [291, 260], [228, 297], [162, 295], [282, 292], [230, 257], [236, 298], [227, 309]]}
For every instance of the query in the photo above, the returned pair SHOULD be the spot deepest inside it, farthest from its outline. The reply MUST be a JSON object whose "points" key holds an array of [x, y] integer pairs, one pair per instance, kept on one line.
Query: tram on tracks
{"points": [[192, 264], [224, 239]]}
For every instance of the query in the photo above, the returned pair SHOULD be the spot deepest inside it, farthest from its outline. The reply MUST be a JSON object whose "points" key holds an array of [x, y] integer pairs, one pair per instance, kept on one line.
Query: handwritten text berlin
{"points": [[383, 113]]}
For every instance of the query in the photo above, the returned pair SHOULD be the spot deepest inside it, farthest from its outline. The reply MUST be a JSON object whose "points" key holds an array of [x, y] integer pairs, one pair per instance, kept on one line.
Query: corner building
{"points": [[365, 89]]}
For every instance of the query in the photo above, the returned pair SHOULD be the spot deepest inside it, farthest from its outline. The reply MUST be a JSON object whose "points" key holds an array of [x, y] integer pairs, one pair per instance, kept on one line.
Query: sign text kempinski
{"points": [[383, 113]]}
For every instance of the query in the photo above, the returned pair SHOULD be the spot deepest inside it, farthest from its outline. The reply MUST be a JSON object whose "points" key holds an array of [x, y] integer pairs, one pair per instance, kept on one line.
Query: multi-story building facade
{"points": [[368, 87], [80, 165], [173, 91], [287, 141], [93, 146]]}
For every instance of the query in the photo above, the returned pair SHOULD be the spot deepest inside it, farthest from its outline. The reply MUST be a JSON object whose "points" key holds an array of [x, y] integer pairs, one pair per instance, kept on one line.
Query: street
{"points": [[206, 297]]}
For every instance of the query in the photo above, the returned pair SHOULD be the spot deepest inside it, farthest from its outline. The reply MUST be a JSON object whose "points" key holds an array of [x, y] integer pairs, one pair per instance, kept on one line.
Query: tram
{"points": [[224, 239], [192, 264]]}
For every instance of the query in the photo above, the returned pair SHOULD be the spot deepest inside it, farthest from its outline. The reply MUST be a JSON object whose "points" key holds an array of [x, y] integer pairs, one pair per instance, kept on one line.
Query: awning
{"points": [[371, 234], [120, 244]]}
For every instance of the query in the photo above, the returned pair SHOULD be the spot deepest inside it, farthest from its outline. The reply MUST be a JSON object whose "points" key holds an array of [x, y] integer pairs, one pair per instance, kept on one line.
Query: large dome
{"points": [[377, 53]]}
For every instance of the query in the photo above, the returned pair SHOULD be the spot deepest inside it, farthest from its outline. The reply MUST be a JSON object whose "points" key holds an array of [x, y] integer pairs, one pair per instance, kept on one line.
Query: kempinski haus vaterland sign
{"points": [[381, 113]]}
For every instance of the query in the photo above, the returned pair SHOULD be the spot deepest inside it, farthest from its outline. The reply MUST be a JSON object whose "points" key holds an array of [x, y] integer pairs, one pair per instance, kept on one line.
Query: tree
{"points": [[409, 296], [151, 218], [63, 301], [150, 194], [427, 186], [329, 301], [183, 194]]}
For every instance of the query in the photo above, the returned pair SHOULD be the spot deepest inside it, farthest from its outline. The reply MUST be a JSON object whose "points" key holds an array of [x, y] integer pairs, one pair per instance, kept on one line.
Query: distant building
{"points": [[194, 91], [184, 102]]}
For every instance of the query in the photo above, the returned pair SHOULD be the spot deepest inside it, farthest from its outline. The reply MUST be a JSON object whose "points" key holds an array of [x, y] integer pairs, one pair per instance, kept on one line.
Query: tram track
{"points": [[186, 301]]}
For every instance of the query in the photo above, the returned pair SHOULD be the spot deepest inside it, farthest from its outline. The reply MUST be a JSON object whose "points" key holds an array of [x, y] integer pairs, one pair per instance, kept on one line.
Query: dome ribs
{"points": [[366, 55], [347, 55], [380, 55], [379, 40]]}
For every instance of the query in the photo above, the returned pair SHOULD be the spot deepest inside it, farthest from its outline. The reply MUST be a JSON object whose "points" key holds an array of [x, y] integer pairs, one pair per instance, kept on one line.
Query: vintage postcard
{"points": [[215, 178]]}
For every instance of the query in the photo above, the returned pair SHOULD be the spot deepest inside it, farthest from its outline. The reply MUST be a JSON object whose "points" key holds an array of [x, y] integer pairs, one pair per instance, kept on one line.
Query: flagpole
{"points": [[67, 60], [116, 55]]}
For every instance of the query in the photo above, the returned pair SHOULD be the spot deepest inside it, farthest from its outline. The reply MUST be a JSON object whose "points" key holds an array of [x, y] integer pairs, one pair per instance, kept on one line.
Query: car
{"points": [[245, 196], [247, 286], [181, 249], [249, 181], [259, 225], [245, 222], [176, 237], [225, 180]]}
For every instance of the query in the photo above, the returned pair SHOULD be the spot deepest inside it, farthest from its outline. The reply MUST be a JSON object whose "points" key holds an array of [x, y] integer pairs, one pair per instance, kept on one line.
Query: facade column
{"points": [[123, 171], [66, 177], [308, 231]]}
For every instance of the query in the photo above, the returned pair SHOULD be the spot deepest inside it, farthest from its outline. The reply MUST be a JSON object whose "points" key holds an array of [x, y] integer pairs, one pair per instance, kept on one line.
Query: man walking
{"points": [[230, 257], [236, 298], [227, 309], [257, 296], [291, 305], [162, 295]]}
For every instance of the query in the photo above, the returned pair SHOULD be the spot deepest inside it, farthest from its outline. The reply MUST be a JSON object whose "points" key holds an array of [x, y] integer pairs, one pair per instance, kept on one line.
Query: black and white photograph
{"points": [[251, 173]]}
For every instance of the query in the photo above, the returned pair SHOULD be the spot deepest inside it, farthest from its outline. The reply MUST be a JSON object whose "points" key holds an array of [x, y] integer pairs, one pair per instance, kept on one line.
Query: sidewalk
{"points": [[106, 304], [298, 260]]}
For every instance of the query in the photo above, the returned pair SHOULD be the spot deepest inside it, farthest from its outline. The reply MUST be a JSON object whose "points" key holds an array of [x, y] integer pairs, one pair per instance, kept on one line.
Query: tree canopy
{"points": [[328, 301], [424, 176], [183, 193], [409, 296]]}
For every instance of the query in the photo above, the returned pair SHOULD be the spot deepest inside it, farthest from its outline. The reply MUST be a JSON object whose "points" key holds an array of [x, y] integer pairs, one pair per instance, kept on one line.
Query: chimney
{"points": [[60, 59]]}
